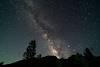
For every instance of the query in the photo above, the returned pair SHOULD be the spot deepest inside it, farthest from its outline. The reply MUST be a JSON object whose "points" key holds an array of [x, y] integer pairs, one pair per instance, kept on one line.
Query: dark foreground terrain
{"points": [[78, 60], [51, 61]]}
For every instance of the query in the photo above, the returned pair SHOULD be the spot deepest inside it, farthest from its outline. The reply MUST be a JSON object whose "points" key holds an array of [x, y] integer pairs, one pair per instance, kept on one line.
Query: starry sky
{"points": [[60, 27]]}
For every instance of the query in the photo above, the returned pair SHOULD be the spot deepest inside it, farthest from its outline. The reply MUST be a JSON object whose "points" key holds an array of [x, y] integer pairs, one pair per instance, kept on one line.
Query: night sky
{"points": [[60, 27]]}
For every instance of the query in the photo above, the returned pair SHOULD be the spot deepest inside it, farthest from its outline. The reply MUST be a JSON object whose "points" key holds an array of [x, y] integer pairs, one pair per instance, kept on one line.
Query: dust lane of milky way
{"points": [[54, 47]]}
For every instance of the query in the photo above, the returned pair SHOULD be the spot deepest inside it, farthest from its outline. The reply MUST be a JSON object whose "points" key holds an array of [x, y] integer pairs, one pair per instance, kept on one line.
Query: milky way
{"points": [[55, 44], [60, 27]]}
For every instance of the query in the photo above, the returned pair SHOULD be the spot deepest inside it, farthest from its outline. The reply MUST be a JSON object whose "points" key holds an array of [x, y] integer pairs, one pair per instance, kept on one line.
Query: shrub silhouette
{"points": [[1, 64], [39, 56], [77, 60]]}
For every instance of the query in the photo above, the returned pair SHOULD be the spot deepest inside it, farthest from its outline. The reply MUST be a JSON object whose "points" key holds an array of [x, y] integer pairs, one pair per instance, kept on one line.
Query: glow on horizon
{"points": [[54, 51]]}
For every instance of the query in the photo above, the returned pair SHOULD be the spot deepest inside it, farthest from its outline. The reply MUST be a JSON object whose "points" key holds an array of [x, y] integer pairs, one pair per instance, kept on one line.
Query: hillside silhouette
{"points": [[77, 60]]}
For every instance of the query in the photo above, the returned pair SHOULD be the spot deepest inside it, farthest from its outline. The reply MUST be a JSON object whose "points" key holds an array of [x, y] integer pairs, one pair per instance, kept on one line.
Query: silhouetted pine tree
{"points": [[30, 51], [88, 54]]}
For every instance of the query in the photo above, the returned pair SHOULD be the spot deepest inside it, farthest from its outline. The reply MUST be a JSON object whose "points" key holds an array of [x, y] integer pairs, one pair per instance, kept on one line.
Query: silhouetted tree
{"points": [[30, 51], [88, 54], [89, 57]]}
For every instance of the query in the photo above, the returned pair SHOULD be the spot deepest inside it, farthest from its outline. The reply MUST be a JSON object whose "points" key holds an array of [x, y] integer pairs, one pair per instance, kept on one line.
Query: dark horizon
{"points": [[31, 60]]}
